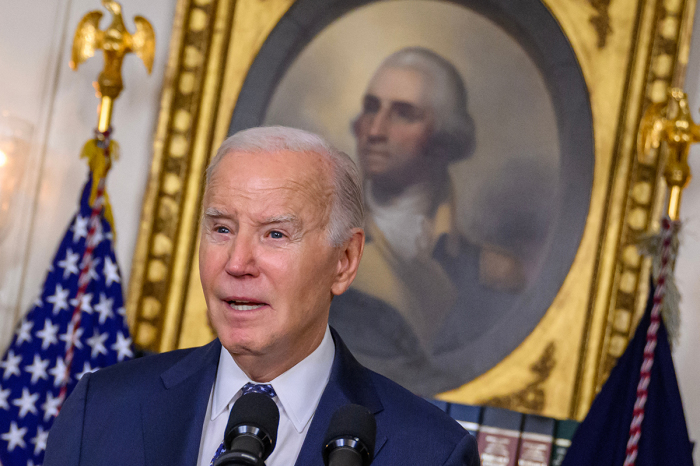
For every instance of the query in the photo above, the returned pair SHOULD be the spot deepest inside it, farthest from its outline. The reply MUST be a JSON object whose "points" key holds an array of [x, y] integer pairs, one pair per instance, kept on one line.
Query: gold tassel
{"points": [[651, 245], [99, 164]]}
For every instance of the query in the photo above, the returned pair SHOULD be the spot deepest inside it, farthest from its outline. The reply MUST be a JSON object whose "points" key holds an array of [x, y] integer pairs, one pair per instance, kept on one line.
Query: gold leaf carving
{"points": [[151, 308], [146, 335], [601, 20], [198, 20], [162, 245], [156, 271], [532, 397], [187, 83]]}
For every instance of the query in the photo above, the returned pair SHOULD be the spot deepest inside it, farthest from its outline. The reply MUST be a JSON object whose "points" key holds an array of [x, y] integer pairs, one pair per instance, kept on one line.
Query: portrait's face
{"points": [[267, 267], [395, 126]]}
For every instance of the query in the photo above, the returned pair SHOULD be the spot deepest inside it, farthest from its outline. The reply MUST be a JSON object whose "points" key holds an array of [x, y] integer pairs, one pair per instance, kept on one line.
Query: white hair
{"points": [[448, 96], [347, 209]]}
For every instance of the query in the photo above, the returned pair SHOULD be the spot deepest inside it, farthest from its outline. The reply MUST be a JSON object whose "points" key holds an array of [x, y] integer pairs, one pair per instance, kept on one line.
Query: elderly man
{"points": [[423, 289], [281, 236]]}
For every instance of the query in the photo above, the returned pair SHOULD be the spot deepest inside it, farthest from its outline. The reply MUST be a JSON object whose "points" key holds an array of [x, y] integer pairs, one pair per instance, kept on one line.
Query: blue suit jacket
{"points": [[150, 412]]}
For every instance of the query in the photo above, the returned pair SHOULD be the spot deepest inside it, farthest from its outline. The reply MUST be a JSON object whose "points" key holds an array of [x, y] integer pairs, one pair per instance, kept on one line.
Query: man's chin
{"points": [[244, 344]]}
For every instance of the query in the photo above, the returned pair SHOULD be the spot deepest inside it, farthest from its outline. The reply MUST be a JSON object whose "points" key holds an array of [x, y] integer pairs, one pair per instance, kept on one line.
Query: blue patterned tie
{"points": [[265, 389]]}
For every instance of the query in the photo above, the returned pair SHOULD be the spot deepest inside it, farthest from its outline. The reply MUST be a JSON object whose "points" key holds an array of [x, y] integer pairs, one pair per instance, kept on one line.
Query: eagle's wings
{"points": [[143, 42], [87, 39]]}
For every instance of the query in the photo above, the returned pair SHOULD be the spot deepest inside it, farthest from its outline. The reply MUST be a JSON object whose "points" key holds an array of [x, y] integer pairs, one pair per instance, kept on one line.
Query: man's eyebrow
{"points": [[293, 219], [213, 212], [404, 104]]}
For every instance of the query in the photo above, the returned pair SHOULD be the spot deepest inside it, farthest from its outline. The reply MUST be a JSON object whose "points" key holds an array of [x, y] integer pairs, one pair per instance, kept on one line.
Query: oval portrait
{"points": [[471, 125]]}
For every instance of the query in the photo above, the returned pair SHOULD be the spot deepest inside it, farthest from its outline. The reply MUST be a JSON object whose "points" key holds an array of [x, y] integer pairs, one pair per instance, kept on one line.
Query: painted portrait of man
{"points": [[420, 282], [462, 146]]}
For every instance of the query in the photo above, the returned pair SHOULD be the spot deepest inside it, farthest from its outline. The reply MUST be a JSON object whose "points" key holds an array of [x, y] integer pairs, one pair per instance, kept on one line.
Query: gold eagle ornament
{"points": [[115, 42], [670, 123]]}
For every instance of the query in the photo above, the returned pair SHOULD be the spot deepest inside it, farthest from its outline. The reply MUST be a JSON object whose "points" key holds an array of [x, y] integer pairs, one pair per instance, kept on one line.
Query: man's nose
{"points": [[242, 257], [378, 124]]}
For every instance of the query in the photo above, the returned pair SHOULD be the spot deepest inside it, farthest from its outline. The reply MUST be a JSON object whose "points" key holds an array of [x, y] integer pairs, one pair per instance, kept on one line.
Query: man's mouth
{"points": [[375, 151], [244, 305]]}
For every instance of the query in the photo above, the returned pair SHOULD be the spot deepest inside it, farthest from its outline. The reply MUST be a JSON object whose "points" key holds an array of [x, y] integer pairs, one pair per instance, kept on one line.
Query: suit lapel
{"points": [[349, 383], [173, 417]]}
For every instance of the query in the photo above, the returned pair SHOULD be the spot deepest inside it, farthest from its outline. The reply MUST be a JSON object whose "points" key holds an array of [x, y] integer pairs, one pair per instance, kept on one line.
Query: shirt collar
{"points": [[298, 390]]}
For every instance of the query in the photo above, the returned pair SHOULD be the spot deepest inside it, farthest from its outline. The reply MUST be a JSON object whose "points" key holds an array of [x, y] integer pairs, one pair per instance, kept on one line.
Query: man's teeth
{"points": [[241, 306]]}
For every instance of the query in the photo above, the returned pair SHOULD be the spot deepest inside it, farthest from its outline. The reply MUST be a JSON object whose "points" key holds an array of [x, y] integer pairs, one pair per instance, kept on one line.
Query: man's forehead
{"points": [[401, 84], [293, 164], [272, 182]]}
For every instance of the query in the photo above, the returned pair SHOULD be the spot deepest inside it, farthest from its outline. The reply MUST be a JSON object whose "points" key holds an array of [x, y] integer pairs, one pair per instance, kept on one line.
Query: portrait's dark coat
{"points": [[381, 316]]}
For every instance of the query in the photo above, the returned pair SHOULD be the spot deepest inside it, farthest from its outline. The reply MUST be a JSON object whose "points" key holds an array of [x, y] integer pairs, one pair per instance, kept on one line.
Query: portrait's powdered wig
{"points": [[347, 209], [454, 127]]}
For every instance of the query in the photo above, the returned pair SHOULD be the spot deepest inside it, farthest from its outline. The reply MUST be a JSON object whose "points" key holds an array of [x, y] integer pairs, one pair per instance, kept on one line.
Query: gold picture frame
{"points": [[629, 51]]}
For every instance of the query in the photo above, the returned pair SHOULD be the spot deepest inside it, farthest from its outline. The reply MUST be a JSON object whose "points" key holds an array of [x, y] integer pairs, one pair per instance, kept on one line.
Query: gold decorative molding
{"points": [[637, 193], [531, 398], [646, 191], [601, 20], [643, 52], [182, 146]]}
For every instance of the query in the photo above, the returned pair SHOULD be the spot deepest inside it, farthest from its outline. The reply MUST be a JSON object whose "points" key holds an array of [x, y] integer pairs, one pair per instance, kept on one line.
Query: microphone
{"points": [[251, 432], [350, 437]]}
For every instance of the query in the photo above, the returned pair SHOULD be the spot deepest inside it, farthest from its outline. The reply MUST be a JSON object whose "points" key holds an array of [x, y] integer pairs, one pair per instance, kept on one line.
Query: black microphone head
{"points": [[352, 426], [258, 411]]}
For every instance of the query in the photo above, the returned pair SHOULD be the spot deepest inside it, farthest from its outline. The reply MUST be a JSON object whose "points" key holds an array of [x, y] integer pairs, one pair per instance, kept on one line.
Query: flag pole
{"points": [[115, 42]]}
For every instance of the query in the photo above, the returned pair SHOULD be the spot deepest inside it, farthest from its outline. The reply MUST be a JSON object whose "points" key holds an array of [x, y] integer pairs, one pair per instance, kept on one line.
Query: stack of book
{"points": [[509, 438]]}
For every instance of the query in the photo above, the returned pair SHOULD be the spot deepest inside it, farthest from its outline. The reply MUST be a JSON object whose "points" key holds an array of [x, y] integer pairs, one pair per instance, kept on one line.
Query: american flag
{"points": [[76, 326]]}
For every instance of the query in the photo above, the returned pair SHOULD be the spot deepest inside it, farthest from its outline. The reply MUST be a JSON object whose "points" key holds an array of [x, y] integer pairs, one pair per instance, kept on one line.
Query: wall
{"points": [[37, 85]]}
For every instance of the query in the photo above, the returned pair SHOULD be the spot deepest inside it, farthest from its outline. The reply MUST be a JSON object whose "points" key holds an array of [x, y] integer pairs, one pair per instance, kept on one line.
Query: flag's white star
{"points": [[3, 398], [11, 365], [48, 334], [121, 311], [26, 403], [111, 272], [97, 343], [51, 406], [70, 263], [24, 333], [14, 437], [38, 369], [72, 337], [86, 369], [40, 440], [123, 347], [104, 307], [59, 372], [80, 228], [59, 299], [85, 303]]}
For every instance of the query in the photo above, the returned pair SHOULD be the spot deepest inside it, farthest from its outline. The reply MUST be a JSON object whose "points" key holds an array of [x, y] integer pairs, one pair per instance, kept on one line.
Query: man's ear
{"points": [[348, 261]]}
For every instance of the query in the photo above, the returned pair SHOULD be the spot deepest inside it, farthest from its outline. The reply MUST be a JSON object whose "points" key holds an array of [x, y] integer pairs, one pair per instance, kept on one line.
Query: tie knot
{"points": [[265, 389]]}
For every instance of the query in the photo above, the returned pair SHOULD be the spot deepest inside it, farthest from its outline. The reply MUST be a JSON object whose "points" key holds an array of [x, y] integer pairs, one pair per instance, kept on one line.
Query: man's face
{"points": [[395, 125], [266, 264]]}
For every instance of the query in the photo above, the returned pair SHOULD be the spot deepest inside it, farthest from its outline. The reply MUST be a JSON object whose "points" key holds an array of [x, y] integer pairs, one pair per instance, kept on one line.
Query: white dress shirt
{"points": [[298, 392]]}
